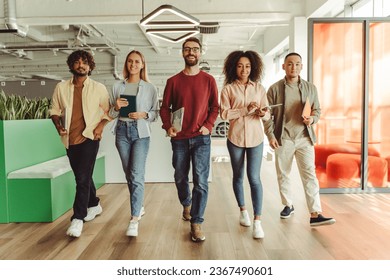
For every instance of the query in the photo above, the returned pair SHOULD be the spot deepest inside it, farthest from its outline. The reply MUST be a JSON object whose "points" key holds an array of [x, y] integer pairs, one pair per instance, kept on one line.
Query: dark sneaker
{"points": [[321, 221], [286, 212], [196, 233]]}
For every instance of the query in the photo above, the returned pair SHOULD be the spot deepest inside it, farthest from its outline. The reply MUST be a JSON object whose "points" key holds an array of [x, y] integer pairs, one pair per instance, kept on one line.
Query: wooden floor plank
{"points": [[360, 233]]}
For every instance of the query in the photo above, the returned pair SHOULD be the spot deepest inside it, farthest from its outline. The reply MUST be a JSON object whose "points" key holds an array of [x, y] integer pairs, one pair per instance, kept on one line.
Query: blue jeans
{"points": [[82, 159], [133, 152], [197, 151], [254, 158]]}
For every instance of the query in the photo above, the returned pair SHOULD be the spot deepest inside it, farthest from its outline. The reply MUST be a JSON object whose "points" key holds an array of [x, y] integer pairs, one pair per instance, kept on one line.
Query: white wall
{"points": [[158, 165]]}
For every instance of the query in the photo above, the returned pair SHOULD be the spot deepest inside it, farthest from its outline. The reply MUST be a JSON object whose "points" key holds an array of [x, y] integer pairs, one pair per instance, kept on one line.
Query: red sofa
{"points": [[338, 166], [388, 170]]}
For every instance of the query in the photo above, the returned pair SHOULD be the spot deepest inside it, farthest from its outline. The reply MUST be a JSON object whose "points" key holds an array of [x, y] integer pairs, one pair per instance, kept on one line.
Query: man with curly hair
{"points": [[79, 111]]}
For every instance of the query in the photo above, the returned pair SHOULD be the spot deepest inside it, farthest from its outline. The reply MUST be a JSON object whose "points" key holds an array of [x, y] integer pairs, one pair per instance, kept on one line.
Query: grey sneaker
{"points": [[196, 233], [287, 212], [75, 229], [92, 212]]}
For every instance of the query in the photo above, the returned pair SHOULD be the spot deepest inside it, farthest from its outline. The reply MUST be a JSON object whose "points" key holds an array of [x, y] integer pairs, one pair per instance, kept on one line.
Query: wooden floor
{"points": [[360, 233]]}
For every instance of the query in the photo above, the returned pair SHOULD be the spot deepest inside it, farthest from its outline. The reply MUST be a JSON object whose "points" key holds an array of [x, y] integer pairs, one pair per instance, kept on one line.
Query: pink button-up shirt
{"points": [[244, 130]]}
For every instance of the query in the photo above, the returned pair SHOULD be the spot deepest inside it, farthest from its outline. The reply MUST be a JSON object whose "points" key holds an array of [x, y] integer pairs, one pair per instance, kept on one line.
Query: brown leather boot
{"points": [[196, 233], [186, 213]]}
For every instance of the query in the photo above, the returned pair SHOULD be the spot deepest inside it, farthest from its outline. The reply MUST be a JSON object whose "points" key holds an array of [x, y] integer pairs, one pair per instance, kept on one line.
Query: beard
{"points": [[191, 62], [79, 74]]}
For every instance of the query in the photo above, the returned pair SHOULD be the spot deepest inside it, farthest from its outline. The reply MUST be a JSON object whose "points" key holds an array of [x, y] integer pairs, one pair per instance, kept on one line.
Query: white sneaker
{"points": [[142, 213], [257, 229], [75, 229], [92, 212], [244, 218], [132, 230]]}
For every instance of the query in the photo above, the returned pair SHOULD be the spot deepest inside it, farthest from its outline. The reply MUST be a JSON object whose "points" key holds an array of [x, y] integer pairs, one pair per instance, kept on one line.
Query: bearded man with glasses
{"points": [[196, 92]]}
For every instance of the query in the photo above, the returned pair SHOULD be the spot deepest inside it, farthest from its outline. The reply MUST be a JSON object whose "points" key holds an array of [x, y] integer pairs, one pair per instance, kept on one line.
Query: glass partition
{"points": [[347, 60], [338, 73], [379, 99]]}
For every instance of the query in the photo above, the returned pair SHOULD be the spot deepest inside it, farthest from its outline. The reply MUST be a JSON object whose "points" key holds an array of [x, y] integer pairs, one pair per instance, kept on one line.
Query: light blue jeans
{"points": [[254, 158], [195, 150], [133, 152]]}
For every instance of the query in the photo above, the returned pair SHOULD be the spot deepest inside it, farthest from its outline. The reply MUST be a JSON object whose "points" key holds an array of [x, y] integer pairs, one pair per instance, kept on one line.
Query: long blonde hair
{"points": [[143, 72]]}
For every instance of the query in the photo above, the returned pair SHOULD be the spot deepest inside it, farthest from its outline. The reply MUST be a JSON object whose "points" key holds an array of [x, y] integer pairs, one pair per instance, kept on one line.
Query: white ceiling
{"points": [[110, 29]]}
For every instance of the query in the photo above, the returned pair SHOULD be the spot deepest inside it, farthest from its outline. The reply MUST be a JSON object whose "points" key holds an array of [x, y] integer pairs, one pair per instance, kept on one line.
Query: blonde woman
{"points": [[134, 103]]}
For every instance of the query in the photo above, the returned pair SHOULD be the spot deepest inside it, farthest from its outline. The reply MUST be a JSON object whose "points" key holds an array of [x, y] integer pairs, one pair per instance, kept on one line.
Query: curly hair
{"points": [[143, 72], [85, 56], [230, 66]]}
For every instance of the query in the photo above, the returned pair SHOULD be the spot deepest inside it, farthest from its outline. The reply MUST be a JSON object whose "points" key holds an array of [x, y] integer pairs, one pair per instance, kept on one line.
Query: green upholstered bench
{"points": [[45, 191]]}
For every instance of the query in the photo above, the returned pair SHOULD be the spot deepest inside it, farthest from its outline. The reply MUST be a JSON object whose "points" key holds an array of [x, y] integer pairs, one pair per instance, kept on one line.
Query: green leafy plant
{"points": [[14, 107]]}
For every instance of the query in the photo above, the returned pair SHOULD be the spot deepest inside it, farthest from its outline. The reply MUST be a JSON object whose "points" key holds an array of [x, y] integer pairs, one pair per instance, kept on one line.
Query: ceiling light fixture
{"points": [[189, 20], [186, 27], [159, 33]]}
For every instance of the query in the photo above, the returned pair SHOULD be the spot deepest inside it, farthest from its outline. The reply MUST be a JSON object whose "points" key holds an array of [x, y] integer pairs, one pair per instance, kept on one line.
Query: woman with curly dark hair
{"points": [[244, 104]]}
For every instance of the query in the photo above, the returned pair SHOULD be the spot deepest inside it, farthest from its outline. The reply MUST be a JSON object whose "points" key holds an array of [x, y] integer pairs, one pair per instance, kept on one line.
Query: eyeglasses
{"points": [[188, 49]]}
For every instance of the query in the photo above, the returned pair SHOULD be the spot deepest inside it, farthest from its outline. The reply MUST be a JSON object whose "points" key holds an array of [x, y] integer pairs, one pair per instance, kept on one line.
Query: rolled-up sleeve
{"points": [[55, 108]]}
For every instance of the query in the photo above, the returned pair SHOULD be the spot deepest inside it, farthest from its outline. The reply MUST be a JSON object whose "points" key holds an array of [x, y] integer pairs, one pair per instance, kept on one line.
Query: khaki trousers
{"points": [[303, 151]]}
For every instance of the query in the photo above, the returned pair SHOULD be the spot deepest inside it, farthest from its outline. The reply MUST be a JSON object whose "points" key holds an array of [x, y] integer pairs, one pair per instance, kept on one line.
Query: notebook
{"points": [[177, 119], [132, 107]]}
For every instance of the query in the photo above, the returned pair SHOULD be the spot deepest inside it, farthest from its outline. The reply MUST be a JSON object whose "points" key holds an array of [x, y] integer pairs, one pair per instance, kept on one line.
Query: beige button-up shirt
{"points": [[245, 130], [95, 104]]}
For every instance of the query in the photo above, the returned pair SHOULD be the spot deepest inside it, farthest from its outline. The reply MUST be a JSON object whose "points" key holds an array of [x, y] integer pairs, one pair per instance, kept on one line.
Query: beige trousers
{"points": [[303, 151]]}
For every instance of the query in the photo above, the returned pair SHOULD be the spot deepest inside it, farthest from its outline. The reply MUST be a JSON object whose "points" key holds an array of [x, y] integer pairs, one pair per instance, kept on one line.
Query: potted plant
{"points": [[14, 107]]}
